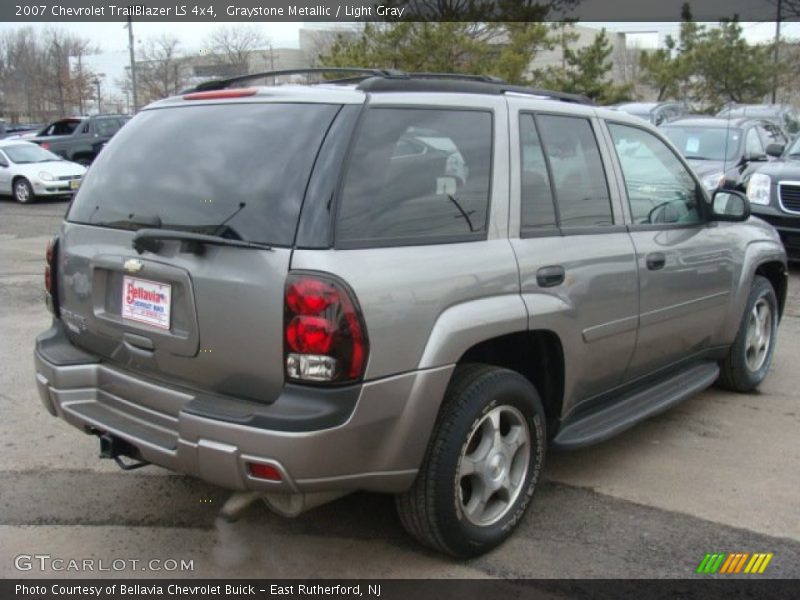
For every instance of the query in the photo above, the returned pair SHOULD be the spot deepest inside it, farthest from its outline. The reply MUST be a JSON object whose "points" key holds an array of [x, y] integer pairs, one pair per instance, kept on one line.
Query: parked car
{"points": [[79, 139], [20, 131], [299, 314], [774, 194], [784, 116], [28, 171], [655, 113], [724, 152]]}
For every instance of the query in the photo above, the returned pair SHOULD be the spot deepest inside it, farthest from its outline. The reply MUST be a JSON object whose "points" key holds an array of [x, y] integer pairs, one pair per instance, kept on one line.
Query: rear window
{"points": [[234, 170], [417, 176]]}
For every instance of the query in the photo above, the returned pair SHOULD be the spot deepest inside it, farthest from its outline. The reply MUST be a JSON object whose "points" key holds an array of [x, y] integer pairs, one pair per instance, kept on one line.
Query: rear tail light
{"points": [[261, 471], [46, 145], [325, 339], [51, 259]]}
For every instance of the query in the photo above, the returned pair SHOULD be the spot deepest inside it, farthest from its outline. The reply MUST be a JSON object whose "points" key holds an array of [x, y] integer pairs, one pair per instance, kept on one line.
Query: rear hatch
{"points": [[204, 315]]}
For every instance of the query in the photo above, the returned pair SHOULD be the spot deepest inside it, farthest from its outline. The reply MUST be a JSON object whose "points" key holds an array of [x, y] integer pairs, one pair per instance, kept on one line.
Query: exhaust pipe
{"points": [[293, 505]]}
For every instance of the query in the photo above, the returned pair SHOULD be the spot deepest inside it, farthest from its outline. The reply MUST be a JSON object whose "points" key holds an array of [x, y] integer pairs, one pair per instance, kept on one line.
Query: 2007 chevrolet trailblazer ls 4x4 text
{"points": [[408, 284]]}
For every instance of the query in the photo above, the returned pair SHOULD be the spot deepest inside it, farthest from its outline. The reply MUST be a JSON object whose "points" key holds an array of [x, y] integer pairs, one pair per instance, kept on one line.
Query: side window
{"points": [[439, 192], [106, 126], [752, 143], [538, 211], [660, 189], [579, 181]]}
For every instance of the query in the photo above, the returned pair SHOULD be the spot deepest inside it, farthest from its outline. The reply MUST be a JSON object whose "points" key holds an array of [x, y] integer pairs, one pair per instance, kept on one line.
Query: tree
{"points": [[162, 70], [505, 50], [586, 71], [729, 69], [232, 46]]}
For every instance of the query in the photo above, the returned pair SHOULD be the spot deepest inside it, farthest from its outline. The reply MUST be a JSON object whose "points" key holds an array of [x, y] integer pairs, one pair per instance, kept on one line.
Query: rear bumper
{"points": [[376, 443]]}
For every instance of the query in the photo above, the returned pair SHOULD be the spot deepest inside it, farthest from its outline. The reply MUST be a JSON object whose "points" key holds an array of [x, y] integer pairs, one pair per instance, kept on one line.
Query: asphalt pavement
{"points": [[719, 473]]}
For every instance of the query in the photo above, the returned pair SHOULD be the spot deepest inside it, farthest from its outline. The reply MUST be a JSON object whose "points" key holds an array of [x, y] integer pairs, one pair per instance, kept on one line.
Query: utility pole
{"points": [[99, 100], [777, 46], [133, 64]]}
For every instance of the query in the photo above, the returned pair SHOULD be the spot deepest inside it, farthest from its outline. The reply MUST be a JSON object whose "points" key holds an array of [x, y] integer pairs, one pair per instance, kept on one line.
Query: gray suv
{"points": [[266, 288]]}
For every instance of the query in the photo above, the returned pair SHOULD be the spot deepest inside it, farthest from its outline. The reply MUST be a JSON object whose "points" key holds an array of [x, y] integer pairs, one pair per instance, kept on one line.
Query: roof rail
{"points": [[221, 84], [391, 80]]}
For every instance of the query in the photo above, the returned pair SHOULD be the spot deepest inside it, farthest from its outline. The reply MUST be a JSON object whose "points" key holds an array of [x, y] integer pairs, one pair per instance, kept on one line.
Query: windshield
{"points": [[232, 170], [29, 153], [705, 143]]}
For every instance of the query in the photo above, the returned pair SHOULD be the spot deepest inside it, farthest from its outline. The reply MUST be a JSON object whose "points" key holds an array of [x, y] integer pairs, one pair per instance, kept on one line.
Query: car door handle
{"points": [[550, 276], [656, 261]]}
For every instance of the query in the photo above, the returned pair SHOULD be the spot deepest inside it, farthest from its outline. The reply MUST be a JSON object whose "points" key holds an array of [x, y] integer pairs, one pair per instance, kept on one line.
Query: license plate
{"points": [[146, 301], [74, 184]]}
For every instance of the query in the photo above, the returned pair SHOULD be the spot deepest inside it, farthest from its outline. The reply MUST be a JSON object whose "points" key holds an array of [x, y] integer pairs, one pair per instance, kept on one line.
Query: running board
{"points": [[606, 422]]}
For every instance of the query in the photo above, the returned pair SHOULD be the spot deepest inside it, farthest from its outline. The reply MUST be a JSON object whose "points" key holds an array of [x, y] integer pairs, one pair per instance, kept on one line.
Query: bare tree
{"points": [[232, 46], [162, 70]]}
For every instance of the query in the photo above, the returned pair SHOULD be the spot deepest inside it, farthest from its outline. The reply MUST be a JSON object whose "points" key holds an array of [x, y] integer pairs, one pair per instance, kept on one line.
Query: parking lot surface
{"points": [[721, 472]]}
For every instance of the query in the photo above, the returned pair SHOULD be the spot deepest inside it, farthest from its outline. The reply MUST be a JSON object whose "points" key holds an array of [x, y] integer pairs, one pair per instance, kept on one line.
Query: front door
{"points": [[685, 262]]}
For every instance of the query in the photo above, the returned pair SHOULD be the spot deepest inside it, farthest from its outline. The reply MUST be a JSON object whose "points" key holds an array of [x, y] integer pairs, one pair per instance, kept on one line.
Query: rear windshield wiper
{"points": [[150, 240]]}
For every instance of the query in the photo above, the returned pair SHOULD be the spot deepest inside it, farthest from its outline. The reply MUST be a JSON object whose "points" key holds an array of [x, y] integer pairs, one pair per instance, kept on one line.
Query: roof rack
{"points": [[221, 84], [391, 80]]}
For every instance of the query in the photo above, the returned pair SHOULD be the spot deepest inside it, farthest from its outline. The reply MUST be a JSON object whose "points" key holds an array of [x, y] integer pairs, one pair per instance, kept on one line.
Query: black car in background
{"points": [[725, 152], [774, 194], [655, 113], [79, 139], [783, 115]]}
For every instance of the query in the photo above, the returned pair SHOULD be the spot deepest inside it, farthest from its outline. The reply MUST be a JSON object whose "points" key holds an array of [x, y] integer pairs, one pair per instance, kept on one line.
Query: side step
{"points": [[606, 422]]}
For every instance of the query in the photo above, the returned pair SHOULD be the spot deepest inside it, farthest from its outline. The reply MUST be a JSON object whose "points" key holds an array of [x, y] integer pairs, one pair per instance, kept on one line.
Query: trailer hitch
{"points": [[114, 447]]}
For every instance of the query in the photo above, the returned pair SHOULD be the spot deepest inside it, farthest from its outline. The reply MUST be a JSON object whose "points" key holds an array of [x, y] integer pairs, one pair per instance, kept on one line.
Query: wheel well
{"points": [[775, 272], [537, 355]]}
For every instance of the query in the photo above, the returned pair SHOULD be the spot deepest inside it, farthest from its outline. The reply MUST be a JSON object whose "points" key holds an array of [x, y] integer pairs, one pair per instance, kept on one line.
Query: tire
{"points": [[445, 509], [23, 192], [749, 358]]}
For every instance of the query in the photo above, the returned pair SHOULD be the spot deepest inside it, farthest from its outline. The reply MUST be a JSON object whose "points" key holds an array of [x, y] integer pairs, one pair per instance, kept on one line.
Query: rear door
{"points": [[685, 263], [577, 263], [204, 316]]}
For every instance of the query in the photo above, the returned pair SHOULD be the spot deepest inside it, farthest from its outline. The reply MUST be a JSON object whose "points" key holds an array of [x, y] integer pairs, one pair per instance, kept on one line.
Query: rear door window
{"points": [[233, 170], [417, 176], [538, 210], [578, 177], [107, 127]]}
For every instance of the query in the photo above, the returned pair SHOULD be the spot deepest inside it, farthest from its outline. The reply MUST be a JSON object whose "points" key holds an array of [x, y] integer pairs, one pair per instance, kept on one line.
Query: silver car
{"points": [[28, 171], [266, 288]]}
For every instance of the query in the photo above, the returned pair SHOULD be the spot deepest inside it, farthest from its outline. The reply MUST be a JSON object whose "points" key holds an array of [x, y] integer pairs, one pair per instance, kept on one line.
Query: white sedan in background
{"points": [[28, 171]]}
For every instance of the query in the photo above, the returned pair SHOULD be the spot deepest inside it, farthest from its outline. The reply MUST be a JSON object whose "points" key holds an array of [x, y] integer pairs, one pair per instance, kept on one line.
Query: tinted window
{"points": [[107, 126], [536, 196], [660, 189], [578, 178], [198, 167], [440, 191]]}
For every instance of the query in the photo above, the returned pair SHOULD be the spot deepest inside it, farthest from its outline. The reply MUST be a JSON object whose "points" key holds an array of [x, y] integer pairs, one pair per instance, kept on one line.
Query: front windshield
{"points": [[705, 143], [29, 153]]}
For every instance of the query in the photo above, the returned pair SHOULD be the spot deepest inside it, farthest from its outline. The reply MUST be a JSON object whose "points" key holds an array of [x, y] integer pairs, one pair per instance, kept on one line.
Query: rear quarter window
{"points": [[417, 176]]}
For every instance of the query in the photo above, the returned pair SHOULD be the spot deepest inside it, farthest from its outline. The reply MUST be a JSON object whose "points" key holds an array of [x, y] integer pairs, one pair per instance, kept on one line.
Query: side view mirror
{"points": [[729, 205], [775, 150]]}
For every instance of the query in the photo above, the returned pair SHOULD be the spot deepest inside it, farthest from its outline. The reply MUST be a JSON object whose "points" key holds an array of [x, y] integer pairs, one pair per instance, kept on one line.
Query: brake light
{"points": [[221, 94], [324, 334], [267, 472], [46, 145], [51, 256]]}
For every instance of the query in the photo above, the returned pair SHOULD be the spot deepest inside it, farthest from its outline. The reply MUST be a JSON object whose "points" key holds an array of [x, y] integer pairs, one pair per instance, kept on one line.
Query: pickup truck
{"points": [[79, 139]]}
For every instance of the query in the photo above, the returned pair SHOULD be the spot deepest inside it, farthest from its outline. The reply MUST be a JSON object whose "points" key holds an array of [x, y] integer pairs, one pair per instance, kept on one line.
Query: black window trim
{"points": [[426, 240], [631, 226], [559, 230]]}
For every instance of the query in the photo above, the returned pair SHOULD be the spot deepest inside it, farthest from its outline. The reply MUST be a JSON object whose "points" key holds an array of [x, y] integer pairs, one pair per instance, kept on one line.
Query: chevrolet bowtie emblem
{"points": [[133, 266]]}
